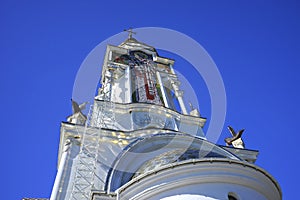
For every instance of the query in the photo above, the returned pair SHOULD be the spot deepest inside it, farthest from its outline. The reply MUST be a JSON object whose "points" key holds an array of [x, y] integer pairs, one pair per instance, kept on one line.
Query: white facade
{"points": [[135, 144]]}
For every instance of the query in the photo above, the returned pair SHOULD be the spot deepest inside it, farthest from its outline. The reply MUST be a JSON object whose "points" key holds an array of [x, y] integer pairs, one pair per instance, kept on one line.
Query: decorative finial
{"points": [[130, 32], [191, 106], [77, 108], [77, 117], [194, 111], [236, 140]]}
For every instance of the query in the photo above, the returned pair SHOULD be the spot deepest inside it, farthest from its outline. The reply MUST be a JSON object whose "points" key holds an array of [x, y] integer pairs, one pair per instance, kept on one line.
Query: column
{"points": [[178, 93], [61, 170], [128, 86], [162, 89]]}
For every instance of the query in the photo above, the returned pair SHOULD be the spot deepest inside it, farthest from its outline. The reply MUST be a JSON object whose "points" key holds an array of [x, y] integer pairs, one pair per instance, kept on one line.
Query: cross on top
{"points": [[130, 32]]}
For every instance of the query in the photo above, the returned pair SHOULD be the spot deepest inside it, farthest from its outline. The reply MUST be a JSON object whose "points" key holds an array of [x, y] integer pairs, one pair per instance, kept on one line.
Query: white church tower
{"points": [[139, 142]]}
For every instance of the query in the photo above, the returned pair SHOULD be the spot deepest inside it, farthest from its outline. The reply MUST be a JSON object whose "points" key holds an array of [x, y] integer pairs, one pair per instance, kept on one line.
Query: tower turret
{"points": [[139, 142]]}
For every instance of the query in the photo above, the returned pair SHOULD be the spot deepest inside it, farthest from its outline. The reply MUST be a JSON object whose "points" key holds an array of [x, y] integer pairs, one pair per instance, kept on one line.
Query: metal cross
{"points": [[130, 32]]}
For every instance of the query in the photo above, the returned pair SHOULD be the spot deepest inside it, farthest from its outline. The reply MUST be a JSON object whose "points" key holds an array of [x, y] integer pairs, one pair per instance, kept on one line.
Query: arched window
{"points": [[232, 196]]}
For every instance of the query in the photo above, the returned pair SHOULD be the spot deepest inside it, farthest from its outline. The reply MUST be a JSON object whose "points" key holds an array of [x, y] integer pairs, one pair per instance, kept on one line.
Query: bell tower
{"points": [[138, 141]]}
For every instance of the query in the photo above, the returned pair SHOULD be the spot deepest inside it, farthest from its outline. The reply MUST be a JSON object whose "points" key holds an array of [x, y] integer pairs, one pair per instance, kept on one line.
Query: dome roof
{"points": [[134, 44]]}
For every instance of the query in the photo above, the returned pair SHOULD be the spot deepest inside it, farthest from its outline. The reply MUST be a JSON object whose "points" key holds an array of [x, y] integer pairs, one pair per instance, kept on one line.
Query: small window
{"points": [[232, 196]]}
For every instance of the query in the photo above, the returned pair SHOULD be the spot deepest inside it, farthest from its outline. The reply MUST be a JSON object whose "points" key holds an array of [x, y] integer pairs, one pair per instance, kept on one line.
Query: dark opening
{"points": [[232, 196]]}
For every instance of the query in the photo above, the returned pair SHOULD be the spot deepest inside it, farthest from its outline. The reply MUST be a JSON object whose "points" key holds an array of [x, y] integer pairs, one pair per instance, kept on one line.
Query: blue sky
{"points": [[255, 45]]}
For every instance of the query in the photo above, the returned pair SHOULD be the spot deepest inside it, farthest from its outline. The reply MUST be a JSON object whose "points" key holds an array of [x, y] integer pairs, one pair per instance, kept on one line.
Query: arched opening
{"points": [[154, 152], [232, 196]]}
